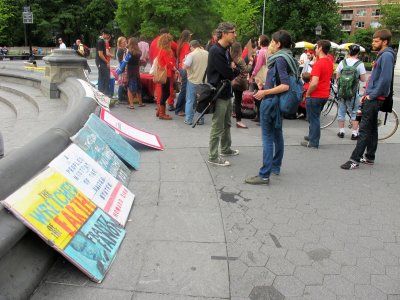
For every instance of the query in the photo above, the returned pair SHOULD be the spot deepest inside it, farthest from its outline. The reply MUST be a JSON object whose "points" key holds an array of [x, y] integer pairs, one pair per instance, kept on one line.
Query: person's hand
{"points": [[233, 65], [260, 85], [260, 94]]}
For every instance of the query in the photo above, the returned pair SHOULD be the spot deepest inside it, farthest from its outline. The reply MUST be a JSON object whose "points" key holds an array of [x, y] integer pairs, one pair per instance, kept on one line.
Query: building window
{"points": [[376, 12], [360, 24], [361, 13], [375, 24]]}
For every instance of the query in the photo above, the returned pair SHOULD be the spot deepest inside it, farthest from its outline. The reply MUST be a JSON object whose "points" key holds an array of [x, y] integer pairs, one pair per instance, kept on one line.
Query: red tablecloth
{"points": [[146, 80]]}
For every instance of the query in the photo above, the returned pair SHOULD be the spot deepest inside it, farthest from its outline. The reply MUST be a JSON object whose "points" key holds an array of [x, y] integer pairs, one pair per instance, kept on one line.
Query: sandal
{"points": [[131, 107], [141, 105]]}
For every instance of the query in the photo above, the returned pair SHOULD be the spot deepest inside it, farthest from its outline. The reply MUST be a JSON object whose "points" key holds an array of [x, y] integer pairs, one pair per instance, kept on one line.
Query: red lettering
{"points": [[64, 226]]}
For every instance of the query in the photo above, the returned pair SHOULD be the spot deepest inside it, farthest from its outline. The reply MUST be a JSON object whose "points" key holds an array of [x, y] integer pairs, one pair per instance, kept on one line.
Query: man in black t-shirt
{"points": [[101, 62], [221, 67]]}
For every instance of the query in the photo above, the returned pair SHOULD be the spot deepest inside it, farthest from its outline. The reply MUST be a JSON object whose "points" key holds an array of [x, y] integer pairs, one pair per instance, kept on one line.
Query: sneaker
{"points": [[354, 137], [341, 135], [256, 180], [308, 145], [366, 161], [171, 108], [276, 173], [219, 162], [200, 122], [187, 122], [350, 165], [306, 138], [231, 152]]}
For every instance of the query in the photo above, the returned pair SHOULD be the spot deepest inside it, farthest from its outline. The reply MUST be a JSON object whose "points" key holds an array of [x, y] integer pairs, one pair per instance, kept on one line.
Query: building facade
{"points": [[359, 14]]}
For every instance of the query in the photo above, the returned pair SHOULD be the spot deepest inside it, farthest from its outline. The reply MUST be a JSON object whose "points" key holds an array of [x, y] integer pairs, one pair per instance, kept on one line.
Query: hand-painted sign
{"points": [[68, 221]]}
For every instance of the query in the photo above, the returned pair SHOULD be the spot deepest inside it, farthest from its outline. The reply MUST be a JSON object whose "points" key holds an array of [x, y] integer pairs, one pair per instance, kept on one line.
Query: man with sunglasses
{"points": [[221, 67]]}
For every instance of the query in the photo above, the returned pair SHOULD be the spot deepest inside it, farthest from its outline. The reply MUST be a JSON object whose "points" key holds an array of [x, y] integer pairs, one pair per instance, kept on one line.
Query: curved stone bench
{"points": [[24, 258]]}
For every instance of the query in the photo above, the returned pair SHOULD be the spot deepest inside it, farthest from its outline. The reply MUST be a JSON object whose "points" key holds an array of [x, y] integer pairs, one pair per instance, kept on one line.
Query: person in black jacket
{"points": [[221, 67]]}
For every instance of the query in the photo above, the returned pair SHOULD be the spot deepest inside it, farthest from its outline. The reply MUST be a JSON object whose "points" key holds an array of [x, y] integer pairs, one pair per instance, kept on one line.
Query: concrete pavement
{"points": [[198, 232]]}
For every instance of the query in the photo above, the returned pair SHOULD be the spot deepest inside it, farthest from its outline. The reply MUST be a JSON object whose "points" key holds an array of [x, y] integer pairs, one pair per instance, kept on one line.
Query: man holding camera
{"points": [[221, 67]]}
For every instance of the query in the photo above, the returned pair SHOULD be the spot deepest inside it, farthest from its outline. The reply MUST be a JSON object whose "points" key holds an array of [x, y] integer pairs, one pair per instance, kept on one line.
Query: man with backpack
{"points": [[379, 92], [349, 73]]}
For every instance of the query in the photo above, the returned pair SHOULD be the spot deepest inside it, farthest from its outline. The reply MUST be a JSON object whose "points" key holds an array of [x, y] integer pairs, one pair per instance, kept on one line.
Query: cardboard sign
{"points": [[98, 150], [114, 141], [135, 134], [94, 182], [92, 92], [68, 221]]}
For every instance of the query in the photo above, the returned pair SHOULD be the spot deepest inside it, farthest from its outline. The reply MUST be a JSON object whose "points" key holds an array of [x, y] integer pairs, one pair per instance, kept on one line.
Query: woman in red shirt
{"points": [[166, 59]]}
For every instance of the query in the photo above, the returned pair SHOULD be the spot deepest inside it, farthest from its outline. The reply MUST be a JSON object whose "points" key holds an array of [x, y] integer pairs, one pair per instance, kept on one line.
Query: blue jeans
{"points": [[190, 101], [314, 107], [272, 138], [180, 103], [368, 137]]}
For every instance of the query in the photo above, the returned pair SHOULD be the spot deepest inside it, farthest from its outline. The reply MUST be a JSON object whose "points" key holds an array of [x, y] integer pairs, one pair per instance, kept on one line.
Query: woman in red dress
{"points": [[166, 59]]}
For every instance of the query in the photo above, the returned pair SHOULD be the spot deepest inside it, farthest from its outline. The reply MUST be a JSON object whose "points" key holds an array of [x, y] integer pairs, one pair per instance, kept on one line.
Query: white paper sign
{"points": [[138, 135], [94, 182]]}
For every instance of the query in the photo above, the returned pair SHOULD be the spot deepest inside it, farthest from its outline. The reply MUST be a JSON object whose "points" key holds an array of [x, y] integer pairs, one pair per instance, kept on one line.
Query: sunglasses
{"points": [[233, 31]]}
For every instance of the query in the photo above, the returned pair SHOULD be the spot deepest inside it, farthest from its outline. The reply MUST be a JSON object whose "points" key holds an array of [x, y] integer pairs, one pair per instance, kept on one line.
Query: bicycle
{"points": [[387, 122]]}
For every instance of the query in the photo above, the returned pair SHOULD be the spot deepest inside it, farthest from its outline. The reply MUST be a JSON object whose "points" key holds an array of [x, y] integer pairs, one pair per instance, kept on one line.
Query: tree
{"points": [[301, 17], [146, 17], [363, 37], [390, 18], [244, 14]]}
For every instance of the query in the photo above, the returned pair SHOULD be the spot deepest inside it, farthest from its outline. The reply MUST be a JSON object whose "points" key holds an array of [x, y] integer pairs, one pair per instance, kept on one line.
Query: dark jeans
{"points": [[368, 132], [314, 107], [104, 79], [238, 104], [122, 93], [181, 102], [165, 92]]}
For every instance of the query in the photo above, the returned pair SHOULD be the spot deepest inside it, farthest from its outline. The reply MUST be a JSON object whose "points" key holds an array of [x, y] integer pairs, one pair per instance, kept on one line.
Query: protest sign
{"points": [[121, 147], [68, 221], [94, 182], [98, 150], [92, 92], [135, 134]]}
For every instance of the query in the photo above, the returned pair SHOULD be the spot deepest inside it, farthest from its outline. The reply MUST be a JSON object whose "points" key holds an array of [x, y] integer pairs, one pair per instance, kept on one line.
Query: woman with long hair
{"points": [[182, 50], [239, 84], [134, 87], [166, 59], [122, 81], [280, 64]]}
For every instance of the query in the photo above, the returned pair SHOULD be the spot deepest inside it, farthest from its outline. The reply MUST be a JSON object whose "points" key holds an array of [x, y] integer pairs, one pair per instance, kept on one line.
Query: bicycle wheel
{"points": [[386, 130], [329, 113]]}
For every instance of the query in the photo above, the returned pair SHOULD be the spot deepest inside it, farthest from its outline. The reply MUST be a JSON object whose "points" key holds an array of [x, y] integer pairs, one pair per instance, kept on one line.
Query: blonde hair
{"points": [[120, 40], [165, 42]]}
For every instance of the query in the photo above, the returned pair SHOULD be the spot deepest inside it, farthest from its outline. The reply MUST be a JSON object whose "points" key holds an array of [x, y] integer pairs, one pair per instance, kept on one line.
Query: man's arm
{"points": [[382, 87], [220, 64], [313, 85]]}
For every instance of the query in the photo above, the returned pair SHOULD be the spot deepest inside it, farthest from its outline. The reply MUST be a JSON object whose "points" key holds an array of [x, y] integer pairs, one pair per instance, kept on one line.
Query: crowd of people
{"points": [[262, 65]]}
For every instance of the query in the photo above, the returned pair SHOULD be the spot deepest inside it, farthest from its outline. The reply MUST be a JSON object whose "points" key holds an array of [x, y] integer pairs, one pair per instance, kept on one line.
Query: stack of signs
{"points": [[114, 141], [92, 92], [98, 150], [68, 221], [94, 182]]}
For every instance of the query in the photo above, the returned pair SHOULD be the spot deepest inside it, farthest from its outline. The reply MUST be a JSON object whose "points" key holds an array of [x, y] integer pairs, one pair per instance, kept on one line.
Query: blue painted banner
{"points": [[95, 246], [96, 148], [121, 147]]}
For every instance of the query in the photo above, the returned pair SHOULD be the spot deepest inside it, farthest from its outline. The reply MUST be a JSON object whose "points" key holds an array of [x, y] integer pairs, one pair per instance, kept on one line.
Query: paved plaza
{"points": [[197, 231]]}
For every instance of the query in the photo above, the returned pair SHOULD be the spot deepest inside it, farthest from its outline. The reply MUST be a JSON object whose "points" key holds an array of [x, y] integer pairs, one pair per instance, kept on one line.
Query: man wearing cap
{"points": [[221, 67], [195, 64], [102, 63]]}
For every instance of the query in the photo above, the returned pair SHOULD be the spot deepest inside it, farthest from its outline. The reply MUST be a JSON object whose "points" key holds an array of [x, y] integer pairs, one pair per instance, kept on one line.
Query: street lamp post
{"points": [[318, 31], [263, 19]]}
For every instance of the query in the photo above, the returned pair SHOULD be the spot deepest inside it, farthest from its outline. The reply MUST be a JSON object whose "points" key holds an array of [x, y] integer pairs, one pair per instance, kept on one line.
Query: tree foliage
{"points": [[390, 18], [302, 16]]}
